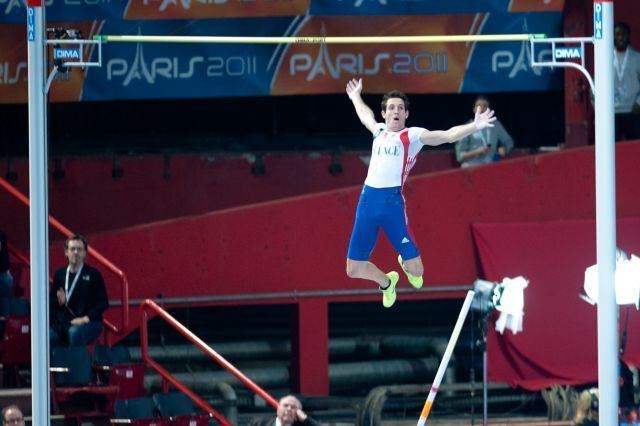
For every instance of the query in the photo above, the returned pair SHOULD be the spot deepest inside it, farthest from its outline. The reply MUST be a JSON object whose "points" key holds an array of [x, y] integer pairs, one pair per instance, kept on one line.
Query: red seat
{"points": [[191, 420], [129, 378], [16, 343]]}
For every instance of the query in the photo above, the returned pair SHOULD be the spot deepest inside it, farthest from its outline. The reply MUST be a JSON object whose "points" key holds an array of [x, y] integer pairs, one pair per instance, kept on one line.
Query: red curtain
{"points": [[558, 344]]}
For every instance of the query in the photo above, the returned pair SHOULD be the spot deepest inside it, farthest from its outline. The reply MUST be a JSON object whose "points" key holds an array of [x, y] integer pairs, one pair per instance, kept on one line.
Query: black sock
{"points": [[387, 286]]}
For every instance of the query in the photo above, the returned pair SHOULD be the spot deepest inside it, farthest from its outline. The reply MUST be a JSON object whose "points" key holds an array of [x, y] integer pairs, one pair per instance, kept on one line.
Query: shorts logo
{"points": [[405, 240]]}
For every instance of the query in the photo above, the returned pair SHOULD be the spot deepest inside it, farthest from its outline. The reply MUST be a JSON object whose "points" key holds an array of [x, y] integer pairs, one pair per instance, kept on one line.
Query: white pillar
{"points": [[606, 214], [38, 215]]}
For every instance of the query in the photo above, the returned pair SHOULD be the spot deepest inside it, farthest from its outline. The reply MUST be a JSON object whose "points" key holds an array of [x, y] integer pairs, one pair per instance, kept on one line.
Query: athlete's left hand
{"points": [[484, 120]]}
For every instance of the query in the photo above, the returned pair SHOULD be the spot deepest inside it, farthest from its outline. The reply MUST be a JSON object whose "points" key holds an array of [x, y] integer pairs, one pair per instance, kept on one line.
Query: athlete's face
{"points": [[395, 115]]}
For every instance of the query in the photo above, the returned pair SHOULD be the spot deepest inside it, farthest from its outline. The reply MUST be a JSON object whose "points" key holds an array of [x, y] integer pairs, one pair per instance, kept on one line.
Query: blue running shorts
{"points": [[381, 208]]}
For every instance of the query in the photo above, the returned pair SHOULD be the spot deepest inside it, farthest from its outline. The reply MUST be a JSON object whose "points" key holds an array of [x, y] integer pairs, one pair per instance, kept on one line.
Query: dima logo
{"points": [[567, 53], [66, 54]]}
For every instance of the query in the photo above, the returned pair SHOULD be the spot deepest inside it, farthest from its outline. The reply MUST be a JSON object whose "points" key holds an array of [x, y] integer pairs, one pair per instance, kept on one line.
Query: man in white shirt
{"points": [[382, 205], [485, 146], [626, 63]]}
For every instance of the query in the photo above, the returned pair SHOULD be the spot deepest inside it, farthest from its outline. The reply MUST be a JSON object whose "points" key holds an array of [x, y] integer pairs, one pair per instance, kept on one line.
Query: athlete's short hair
{"points": [[395, 94]]}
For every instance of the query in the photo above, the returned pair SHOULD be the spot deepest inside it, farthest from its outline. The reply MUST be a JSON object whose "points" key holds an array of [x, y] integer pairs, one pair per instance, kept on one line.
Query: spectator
{"points": [[626, 62], [6, 280], [289, 413], [587, 410], [78, 298], [12, 415], [484, 146]]}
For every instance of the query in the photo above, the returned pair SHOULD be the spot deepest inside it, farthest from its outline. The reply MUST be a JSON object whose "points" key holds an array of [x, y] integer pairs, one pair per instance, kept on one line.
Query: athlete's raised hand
{"points": [[354, 87], [484, 119]]}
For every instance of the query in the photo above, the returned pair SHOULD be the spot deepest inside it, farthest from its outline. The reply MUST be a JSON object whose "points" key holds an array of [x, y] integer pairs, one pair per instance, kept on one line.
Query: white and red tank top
{"points": [[392, 156]]}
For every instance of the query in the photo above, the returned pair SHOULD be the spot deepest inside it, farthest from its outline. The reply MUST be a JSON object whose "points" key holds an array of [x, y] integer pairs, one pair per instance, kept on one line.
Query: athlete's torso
{"points": [[392, 156]]}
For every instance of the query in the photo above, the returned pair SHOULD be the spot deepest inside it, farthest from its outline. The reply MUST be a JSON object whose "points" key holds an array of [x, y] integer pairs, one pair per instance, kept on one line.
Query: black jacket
{"points": [[88, 298]]}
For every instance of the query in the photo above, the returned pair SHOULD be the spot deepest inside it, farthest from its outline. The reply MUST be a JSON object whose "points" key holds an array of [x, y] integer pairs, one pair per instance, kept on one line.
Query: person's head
{"points": [[75, 249], [481, 102], [288, 407], [621, 36], [395, 110], [587, 408], [12, 415]]}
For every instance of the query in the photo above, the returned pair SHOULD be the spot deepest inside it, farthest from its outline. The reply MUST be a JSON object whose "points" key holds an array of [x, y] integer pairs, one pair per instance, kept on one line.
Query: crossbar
{"points": [[317, 39]]}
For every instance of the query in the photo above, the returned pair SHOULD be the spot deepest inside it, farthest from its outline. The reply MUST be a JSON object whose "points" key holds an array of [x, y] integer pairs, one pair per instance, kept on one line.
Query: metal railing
{"points": [[168, 377], [124, 284]]}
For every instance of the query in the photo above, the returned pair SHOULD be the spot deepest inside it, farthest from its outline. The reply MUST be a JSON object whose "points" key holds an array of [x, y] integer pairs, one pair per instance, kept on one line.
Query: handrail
{"points": [[124, 284], [144, 349], [17, 253]]}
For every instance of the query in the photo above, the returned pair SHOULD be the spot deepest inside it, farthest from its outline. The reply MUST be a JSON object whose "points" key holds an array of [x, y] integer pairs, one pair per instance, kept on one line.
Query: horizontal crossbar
{"points": [[317, 40]]}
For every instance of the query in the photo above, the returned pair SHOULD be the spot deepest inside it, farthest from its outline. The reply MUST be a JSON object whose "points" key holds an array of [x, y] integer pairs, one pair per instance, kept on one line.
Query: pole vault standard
{"points": [[38, 207], [602, 89]]}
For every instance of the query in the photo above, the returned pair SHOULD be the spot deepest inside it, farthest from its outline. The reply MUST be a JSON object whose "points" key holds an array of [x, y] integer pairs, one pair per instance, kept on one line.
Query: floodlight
{"points": [[627, 281], [506, 297]]}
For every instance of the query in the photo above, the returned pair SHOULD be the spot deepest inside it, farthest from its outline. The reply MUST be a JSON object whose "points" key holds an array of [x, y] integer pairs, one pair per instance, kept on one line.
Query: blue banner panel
{"points": [[15, 11], [186, 70], [170, 70], [506, 67]]}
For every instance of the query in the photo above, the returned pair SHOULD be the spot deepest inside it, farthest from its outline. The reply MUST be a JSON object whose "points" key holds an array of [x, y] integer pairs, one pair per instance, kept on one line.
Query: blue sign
{"points": [[66, 53], [597, 21], [31, 26], [567, 53]]}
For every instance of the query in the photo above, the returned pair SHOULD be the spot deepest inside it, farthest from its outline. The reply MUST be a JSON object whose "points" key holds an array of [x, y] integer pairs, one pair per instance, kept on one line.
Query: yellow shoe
{"points": [[389, 293], [416, 282]]}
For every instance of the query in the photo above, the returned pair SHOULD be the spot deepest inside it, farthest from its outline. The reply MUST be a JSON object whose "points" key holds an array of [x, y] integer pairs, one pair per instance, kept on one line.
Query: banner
{"points": [[203, 9], [430, 7], [184, 70], [14, 11]]}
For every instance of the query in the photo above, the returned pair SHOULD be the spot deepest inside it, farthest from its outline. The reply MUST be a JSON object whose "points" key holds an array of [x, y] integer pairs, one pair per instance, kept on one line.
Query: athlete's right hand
{"points": [[354, 87], [485, 119]]}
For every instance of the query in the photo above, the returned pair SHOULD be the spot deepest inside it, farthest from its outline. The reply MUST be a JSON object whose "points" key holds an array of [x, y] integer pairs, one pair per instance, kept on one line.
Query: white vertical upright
{"points": [[605, 213], [38, 217]]}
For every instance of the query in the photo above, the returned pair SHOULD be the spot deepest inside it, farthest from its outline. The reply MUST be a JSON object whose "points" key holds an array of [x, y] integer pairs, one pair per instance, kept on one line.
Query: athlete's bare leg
{"points": [[414, 266], [368, 271]]}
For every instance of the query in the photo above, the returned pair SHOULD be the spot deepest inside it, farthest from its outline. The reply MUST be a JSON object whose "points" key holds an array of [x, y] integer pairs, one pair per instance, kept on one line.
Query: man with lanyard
{"points": [[626, 62], [485, 146], [394, 152], [78, 298]]}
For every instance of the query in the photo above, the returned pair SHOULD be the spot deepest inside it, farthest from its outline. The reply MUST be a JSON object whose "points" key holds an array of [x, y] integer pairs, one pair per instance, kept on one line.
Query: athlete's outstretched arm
{"points": [[354, 90], [438, 137]]}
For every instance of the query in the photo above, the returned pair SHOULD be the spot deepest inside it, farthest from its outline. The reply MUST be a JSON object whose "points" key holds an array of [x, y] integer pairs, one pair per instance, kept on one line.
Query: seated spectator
{"points": [[587, 410], [6, 280], [289, 413], [12, 415], [77, 298], [486, 145]]}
